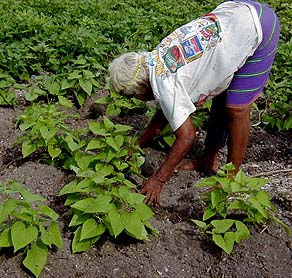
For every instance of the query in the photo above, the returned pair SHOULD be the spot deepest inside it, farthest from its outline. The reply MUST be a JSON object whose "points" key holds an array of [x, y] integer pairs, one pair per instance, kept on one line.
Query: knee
{"points": [[238, 113]]}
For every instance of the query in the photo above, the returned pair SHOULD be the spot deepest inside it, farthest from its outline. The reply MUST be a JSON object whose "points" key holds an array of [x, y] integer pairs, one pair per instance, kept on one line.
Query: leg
{"points": [[238, 129], [216, 135]]}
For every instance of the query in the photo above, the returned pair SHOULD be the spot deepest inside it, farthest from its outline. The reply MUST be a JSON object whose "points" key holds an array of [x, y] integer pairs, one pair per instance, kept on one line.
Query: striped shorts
{"points": [[249, 81]]}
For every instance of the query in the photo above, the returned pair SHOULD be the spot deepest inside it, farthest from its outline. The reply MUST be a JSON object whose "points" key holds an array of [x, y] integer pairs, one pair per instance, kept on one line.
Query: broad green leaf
{"points": [[36, 258], [72, 198], [53, 151], [257, 205], [208, 213], [91, 229], [5, 238], [84, 204], [86, 85], [49, 212], [169, 140], [111, 154], [65, 102], [26, 125], [69, 188], [75, 187], [288, 123], [87, 74], [240, 177], [84, 245], [238, 205], [217, 196], [140, 160], [137, 198], [31, 197], [225, 183], [100, 204], [202, 225], [111, 142], [133, 225], [264, 198], [7, 208], [66, 84], [78, 218], [44, 132], [207, 182], [125, 194], [25, 215], [103, 100], [95, 144], [84, 161], [119, 165], [221, 226], [27, 148], [109, 125], [22, 236], [76, 74], [54, 88], [242, 232], [256, 183], [45, 237], [226, 243], [98, 128], [112, 110], [17, 187], [73, 146], [114, 218], [144, 211], [55, 235], [122, 128], [235, 187], [119, 139]]}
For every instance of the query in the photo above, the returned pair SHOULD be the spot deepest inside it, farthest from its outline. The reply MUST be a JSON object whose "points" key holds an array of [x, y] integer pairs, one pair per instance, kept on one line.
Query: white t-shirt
{"points": [[198, 60]]}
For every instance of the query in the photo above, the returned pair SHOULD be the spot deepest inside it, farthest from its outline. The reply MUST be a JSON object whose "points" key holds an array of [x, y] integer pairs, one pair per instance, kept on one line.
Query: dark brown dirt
{"points": [[180, 251]]}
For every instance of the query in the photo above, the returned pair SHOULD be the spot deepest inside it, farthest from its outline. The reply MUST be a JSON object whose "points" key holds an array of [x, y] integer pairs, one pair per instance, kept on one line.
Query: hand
{"points": [[152, 187]]}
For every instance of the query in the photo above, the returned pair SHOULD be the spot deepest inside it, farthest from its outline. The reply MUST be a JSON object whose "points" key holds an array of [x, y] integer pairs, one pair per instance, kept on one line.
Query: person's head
{"points": [[129, 74]]}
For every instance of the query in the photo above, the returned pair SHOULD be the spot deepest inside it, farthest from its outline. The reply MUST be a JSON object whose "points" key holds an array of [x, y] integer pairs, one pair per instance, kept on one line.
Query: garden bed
{"points": [[179, 250]]}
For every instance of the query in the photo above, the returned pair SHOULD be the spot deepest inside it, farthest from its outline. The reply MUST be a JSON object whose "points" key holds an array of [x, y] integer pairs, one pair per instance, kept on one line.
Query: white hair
{"points": [[127, 70]]}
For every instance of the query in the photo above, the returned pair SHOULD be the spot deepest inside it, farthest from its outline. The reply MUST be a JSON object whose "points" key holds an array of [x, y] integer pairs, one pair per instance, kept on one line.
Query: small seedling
{"points": [[28, 225]]}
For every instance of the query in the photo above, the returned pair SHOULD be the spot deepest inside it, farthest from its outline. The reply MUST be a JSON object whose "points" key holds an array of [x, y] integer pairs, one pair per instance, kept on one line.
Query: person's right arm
{"points": [[156, 125]]}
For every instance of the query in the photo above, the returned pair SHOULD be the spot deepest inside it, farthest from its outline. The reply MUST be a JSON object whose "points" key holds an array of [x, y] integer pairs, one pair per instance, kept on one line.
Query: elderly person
{"points": [[226, 56]]}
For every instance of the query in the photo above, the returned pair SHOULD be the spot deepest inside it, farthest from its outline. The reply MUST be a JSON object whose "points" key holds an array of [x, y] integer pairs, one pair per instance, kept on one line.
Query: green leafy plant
{"points": [[27, 224], [228, 200], [7, 98], [79, 82], [102, 198], [117, 104], [44, 127]]}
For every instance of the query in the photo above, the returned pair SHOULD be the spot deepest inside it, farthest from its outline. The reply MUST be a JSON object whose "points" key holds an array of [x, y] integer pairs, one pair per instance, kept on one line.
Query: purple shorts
{"points": [[249, 81]]}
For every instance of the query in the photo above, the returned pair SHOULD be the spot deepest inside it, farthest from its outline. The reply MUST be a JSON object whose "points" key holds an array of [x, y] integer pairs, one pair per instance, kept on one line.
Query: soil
{"points": [[180, 250]]}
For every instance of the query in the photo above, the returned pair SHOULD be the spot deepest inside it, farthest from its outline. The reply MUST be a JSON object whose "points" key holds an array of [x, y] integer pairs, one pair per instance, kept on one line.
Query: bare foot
{"points": [[198, 165]]}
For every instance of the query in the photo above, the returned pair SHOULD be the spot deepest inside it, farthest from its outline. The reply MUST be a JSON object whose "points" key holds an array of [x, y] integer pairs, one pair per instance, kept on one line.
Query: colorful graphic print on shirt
{"points": [[185, 45]]}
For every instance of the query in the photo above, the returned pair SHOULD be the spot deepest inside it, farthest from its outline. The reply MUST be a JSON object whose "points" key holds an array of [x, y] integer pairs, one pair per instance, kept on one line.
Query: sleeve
{"points": [[174, 101]]}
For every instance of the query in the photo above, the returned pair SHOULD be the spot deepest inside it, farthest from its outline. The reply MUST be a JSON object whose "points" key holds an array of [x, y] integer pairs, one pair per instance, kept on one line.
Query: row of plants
{"points": [[102, 199]]}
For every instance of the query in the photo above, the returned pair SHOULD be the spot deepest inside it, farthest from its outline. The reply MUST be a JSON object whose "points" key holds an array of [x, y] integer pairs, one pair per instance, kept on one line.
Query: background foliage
{"points": [[75, 40]]}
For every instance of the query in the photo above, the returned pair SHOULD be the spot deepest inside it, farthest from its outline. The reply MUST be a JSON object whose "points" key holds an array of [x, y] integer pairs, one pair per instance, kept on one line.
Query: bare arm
{"points": [[185, 136], [157, 123]]}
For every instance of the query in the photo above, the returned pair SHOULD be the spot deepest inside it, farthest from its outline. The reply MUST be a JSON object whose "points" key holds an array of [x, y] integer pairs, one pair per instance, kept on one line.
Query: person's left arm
{"points": [[185, 136]]}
